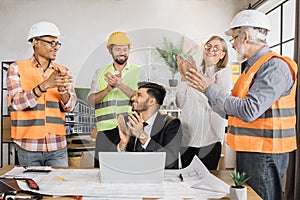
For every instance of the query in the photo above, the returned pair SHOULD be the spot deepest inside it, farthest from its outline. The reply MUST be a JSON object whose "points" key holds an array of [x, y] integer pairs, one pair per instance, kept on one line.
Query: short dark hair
{"points": [[155, 90]]}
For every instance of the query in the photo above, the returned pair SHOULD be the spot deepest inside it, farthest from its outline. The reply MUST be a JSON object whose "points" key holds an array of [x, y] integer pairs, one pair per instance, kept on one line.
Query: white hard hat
{"points": [[252, 18], [42, 29]]}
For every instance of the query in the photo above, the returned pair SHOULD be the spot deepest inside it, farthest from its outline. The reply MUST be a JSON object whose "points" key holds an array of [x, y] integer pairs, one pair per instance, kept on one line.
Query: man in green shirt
{"points": [[111, 89]]}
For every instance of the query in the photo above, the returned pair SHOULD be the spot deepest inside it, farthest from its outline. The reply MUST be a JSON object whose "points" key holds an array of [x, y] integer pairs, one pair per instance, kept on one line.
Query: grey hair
{"points": [[256, 35]]}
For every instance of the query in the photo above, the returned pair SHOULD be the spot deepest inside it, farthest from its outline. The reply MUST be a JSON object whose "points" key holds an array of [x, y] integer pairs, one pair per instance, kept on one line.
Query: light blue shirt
{"points": [[271, 81]]}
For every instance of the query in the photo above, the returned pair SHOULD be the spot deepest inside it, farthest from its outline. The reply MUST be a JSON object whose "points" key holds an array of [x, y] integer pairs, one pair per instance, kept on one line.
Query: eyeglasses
{"points": [[233, 38], [215, 49], [52, 42]]}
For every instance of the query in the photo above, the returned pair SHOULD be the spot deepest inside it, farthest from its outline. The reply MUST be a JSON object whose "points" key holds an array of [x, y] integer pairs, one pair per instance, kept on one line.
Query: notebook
{"points": [[8, 186], [132, 167]]}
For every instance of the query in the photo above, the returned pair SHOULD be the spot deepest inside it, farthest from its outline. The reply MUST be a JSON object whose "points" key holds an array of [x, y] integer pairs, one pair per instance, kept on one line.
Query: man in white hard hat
{"points": [[261, 108], [39, 93], [111, 89]]}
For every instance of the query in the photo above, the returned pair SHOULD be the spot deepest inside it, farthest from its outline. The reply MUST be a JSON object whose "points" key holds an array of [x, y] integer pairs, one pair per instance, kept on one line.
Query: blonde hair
{"points": [[222, 62]]}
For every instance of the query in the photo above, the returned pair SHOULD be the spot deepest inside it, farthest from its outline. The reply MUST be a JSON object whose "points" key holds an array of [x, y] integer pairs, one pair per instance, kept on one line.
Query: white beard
{"points": [[240, 53]]}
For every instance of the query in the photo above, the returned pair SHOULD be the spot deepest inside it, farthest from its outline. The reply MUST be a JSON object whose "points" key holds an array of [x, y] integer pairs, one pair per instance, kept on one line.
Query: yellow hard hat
{"points": [[118, 38]]}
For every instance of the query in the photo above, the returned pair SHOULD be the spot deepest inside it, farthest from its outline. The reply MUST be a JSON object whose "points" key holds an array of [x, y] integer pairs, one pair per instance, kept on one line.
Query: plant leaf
{"points": [[239, 179], [169, 53]]}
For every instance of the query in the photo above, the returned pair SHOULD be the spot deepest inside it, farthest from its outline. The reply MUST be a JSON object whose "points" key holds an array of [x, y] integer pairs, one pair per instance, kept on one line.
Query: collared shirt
{"points": [[272, 81], [209, 127], [148, 129], [25, 99]]}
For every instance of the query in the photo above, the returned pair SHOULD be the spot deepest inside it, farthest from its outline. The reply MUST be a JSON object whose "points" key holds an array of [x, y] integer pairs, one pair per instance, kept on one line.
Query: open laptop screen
{"points": [[132, 167]]}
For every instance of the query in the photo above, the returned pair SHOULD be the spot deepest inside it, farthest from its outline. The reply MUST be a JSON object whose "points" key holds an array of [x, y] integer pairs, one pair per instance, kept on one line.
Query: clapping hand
{"points": [[59, 79], [63, 80], [112, 80], [124, 131], [185, 65], [135, 124], [198, 80]]}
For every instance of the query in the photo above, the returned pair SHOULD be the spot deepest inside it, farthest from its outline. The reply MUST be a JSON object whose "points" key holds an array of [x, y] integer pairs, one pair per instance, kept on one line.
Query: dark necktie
{"points": [[138, 144]]}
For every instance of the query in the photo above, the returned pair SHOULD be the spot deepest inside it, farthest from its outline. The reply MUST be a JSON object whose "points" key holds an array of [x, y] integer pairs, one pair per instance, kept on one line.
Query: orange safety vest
{"points": [[46, 117], [274, 131]]}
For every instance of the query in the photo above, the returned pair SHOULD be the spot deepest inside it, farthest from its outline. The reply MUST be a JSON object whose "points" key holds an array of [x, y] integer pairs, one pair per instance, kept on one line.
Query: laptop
{"points": [[132, 167]]}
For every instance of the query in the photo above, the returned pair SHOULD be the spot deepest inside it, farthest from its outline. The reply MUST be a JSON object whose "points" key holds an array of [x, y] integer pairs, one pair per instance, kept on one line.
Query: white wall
{"points": [[87, 24]]}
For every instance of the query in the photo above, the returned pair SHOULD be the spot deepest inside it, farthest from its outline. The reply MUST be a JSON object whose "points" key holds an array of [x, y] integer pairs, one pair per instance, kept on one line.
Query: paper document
{"points": [[86, 182], [192, 182], [198, 177]]}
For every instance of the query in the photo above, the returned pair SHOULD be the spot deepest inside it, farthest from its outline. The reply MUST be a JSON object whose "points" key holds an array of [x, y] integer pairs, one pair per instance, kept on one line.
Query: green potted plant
{"points": [[238, 191], [168, 52]]}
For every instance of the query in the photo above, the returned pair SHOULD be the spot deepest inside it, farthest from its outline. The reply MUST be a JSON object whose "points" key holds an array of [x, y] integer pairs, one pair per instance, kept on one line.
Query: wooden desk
{"points": [[224, 175], [221, 174]]}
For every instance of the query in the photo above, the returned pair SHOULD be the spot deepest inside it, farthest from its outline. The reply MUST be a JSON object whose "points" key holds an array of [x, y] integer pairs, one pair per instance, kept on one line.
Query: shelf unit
{"points": [[169, 106], [5, 119]]}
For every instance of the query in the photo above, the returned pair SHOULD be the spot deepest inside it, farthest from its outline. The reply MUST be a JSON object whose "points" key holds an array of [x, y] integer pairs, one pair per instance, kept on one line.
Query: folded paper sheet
{"points": [[198, 177]]}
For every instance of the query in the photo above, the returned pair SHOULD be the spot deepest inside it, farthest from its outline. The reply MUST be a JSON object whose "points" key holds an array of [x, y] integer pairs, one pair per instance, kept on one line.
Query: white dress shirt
{"points": [[201, 126]]}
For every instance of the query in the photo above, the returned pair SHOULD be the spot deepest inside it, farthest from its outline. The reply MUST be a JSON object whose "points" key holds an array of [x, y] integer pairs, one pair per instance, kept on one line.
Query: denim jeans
{"points": [[52, 158], [266, 171]]}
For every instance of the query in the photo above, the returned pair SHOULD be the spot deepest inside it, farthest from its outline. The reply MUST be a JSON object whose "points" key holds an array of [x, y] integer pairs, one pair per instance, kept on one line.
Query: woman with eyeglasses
{"points": [[203, 129]]}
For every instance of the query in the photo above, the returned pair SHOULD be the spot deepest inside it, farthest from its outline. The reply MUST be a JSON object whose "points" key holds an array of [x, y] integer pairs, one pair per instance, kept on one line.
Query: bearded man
{"points": [[261, 108], [147, 129], [111, 89]]}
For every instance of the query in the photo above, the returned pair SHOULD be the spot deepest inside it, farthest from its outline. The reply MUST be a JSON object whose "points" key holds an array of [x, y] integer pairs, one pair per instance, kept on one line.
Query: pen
{"points": [[180, 166], [181, 177], [60, 178]]}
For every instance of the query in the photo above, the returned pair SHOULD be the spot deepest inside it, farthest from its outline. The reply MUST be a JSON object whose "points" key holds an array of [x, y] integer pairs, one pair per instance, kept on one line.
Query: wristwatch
{"points": [[142, 136]]}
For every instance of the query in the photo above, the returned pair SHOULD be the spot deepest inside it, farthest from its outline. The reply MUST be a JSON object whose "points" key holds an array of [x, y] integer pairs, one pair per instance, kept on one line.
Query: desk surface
{"points": [[224, 175], [221, 174]]}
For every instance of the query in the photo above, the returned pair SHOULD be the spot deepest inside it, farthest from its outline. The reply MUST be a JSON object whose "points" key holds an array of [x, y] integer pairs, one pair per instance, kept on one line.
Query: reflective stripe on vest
{"points": [[112, 103], [46, 117], [274, 131], [28, 121], [115, 102]]}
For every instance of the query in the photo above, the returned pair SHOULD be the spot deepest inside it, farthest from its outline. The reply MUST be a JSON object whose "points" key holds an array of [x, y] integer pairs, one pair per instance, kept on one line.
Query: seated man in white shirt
{"points": [[147, 130]]}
